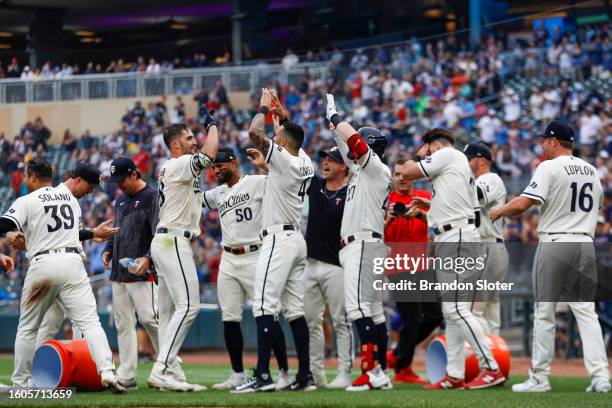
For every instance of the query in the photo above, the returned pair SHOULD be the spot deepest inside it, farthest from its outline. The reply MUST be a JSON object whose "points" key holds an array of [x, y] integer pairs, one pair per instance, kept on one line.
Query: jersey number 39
{"points": [[62, 218]]}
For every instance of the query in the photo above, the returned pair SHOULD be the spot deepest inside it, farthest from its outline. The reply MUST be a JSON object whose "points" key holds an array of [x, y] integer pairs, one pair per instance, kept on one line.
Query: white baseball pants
{"points": [[487, 311], [129, 300], [62, 277], [461, 325], [361, 299], [279, 276], [324, 284], [235, 283], [178, 293]]}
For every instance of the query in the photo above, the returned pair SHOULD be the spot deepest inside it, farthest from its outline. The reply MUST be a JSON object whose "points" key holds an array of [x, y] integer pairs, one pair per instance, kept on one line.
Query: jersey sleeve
{"points": [[491, 190], [436, 163], [539, 185], [18, 213], [190, 166], [210, 199], [344, 150]]}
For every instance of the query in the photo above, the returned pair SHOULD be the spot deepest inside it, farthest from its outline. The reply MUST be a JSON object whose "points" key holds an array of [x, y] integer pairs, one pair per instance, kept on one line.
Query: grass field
{"points": [[567, 392]]}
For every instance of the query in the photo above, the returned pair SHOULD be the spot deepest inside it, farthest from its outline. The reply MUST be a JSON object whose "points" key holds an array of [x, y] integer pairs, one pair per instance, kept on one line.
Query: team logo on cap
{"points": [[333, 149], [112, 169]]}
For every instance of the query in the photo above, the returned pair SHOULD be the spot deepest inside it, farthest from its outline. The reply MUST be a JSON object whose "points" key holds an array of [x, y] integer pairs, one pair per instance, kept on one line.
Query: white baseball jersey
{"points": [[454, 196], [493, 194], [180, 198], [49, 218], [367, 196], [570, 193], [239, 209], [288, 180]]}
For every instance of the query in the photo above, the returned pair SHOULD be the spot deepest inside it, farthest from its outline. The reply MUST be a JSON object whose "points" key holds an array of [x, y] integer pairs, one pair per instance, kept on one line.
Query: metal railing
{"points": [[136, 85]]}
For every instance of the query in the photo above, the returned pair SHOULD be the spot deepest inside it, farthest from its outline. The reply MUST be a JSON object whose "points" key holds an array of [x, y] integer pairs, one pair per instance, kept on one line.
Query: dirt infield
{"points": [[518, 365]]}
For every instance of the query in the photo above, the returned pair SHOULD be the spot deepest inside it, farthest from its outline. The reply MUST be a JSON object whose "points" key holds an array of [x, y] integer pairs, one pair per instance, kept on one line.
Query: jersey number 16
{"points": [[585, 199]]}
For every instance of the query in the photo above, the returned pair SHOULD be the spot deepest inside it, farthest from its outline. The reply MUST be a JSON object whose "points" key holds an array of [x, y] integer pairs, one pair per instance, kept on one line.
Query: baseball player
{"points": [[49, 219], [491, 192], [238, 199], [362, 234], [180, 209], [569, 195], [323, 275], [452, 217], [136, 213], [279, 276]]}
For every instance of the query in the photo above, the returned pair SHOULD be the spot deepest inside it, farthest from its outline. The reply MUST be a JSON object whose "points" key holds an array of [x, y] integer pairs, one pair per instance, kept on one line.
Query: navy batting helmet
{"points": [[375, 139]]}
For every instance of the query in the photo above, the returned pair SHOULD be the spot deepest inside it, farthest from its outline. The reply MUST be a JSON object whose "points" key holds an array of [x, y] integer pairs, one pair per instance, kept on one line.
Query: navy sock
{"points": [[234, 344], [301, 338], [279, 346], [382, 338], [366, 329], [265, 326]]}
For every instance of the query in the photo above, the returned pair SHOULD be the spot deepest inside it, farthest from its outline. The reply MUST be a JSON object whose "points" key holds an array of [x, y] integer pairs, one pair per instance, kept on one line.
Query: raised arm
{"points": [[212, 132], [257, 131]]}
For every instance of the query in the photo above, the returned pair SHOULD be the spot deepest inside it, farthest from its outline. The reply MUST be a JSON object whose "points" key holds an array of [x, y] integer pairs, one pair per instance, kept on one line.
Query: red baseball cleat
{"points": [[391, 360], [407, 376], [447, 383], [361, 383], [486, 379]]}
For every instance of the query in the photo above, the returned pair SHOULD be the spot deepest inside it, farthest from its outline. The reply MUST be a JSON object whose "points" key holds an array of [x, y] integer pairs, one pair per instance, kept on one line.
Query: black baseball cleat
{"points": [[304, 384], [257, 383]]}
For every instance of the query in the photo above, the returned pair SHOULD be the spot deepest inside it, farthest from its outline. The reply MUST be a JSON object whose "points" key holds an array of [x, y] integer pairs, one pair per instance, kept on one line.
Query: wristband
{"points": [[417, 158], [336, 119], [282, 121], [88, 234], [264, 110]]}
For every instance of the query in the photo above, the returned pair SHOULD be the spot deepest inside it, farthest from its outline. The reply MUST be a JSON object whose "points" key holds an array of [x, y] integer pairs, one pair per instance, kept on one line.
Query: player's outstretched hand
{"points": [[106, 257], [420, 202], [16, 240], [104, 231], [266, 98], [7, 263], [257, 158], [209, 119], [143, 266], [331, 107]]}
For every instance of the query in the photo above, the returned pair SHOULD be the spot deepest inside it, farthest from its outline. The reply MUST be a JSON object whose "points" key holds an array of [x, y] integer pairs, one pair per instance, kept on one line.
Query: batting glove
{"points": [[207, 116], [331, 107]]}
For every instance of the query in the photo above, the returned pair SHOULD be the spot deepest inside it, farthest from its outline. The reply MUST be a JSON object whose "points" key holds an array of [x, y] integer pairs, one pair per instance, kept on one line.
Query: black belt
{"points": [[240, 250], [499, 240], [447, 227], [67, 250], [567, 233], [286, 227], [190, 236], [351, 238]]}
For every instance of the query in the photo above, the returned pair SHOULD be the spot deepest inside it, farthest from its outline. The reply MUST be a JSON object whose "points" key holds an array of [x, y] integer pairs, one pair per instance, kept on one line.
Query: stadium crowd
{"points": [[401, 89]]}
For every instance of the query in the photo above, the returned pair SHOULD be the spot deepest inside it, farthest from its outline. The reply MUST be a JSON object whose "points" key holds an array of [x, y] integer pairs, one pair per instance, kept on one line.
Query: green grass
{"points": [[567, 392]]}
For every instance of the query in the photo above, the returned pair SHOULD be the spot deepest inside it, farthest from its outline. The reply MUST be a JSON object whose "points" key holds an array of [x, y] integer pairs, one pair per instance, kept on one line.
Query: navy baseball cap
{"points": [[333, 153], [560, 130], [89, 173], [224, 155], [477, 150], [121, 168]]}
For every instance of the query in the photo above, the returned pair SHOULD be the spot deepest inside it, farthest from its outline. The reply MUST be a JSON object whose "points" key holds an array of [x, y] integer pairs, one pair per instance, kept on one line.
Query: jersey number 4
{"points": [[584, 197], [62, 218]]}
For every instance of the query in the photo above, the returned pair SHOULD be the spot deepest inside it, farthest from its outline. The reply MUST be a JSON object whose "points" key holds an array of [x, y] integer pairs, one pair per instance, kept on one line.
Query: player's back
{"points": [[239, 209], [286, 185], [571, 195], [49, 218], [366, 198], [180, 199]]}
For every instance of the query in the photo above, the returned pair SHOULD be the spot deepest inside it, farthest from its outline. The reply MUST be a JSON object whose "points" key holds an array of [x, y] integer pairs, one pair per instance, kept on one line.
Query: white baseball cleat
{"points": [[234, 380], [175, 369], [109, 380], [319, 378], [532, 385], [283, 380], [342, 380], [166, 382], [599, 384], [379, 379]]}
